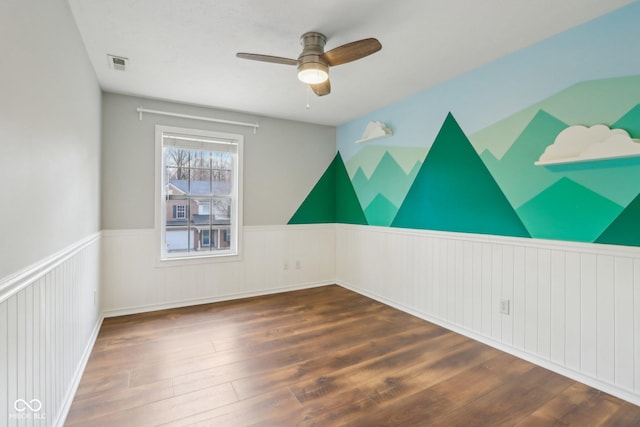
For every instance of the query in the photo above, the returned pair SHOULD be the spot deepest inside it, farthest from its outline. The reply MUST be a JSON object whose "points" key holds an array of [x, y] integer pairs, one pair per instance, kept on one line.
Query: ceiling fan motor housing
{"points": [[311, 61]]}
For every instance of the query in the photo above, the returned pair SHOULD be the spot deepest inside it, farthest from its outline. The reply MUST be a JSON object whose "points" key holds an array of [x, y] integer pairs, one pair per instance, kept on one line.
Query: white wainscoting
{"points": [[575, 308], [49, 319], [134, 280]]}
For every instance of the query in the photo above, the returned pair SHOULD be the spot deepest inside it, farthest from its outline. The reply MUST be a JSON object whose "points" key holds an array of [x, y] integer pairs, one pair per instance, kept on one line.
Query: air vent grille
{"points": [[117, 62]]}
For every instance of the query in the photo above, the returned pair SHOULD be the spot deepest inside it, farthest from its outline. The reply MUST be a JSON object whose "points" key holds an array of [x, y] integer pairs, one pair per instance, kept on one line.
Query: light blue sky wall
{"points": [[603, 48]]}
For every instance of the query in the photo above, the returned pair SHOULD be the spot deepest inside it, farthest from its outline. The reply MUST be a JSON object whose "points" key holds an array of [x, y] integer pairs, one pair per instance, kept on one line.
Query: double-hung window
{"points": [[200, 194]]}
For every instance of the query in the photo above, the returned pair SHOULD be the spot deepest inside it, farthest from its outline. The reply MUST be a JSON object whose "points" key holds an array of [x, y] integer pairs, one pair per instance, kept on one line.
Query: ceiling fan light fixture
{"points": [[313, 63], [313, 72]]}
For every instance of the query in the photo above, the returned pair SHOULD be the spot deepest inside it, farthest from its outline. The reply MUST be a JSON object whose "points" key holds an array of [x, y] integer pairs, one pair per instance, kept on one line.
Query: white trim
{"points": [[251, 228], [591, 248], [77, 376], [14, 283], [199, 301], [577, 376]]}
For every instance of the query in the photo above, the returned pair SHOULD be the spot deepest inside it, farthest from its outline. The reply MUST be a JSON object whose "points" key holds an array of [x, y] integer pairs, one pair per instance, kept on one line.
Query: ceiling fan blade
{"points": [[267, 58], [322, 89], [352, 51]]}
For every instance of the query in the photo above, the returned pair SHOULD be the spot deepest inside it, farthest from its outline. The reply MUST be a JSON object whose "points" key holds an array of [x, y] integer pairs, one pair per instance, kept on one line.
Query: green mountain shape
{"points": [[624, 230], [515, 173], [370, 156], [587, 103], [362, 188], [380, 211], [630, 122], [490, 162], [454, 191], [332, 199], [414, 171], [390, 180], [568, 211]]}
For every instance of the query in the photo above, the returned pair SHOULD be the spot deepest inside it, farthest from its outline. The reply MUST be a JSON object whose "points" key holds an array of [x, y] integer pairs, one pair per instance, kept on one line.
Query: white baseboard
{"points": [[199, 301]]}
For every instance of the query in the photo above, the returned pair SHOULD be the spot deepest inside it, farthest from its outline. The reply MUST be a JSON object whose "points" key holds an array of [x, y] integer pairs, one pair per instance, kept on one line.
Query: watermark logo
{"points": [[21, 405], [27, 409]]}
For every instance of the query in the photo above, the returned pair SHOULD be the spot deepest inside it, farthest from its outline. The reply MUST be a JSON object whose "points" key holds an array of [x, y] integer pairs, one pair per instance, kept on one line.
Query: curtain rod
{"points": [[141, 110]]}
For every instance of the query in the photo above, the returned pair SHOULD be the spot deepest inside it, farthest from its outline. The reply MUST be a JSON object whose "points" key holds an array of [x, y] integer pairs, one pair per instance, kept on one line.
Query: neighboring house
{"points": [[197, 215]]}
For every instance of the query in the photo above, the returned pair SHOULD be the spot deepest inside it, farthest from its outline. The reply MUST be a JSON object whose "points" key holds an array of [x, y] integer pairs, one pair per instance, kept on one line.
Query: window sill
{"points": [[179, 261]]}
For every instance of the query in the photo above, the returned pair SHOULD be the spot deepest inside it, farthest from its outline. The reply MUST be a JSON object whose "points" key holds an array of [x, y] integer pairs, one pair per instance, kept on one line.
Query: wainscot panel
{"points": [[49, 320], [273, 259]]}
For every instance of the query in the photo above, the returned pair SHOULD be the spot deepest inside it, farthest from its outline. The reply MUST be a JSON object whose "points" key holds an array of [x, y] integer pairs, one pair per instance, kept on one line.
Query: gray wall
{"points": [[50, 134], [282, 161]]}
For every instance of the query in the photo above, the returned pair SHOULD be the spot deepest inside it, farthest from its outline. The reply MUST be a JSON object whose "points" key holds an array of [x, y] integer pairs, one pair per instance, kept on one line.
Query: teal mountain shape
{"points": [[365, 192], [454, 191], [369, 156], [568, 211], [624, 230], [380, 211], [360, 184], [630, 122], [388, 180], [332, 199], [515, 172]]}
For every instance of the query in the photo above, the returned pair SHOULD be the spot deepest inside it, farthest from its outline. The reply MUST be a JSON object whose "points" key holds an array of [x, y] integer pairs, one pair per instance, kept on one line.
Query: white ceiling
{"points": [[184, 50]]}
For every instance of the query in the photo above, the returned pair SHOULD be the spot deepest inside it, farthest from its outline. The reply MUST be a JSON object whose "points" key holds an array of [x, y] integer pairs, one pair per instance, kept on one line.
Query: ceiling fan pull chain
{"points": [[308, 91]]}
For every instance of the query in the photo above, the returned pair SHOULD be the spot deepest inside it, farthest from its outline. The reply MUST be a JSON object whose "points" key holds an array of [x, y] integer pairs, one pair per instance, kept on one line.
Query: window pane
{"points": [[222, 173], [222, 208], [200, 182], [199, 196], [176, 163]]}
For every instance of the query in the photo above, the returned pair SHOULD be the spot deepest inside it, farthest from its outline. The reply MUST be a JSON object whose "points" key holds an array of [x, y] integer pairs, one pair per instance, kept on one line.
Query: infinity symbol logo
{"points": [[21, 405]]}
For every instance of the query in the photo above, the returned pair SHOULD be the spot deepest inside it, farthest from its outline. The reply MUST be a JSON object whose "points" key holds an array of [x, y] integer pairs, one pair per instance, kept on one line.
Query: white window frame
{"points": [[234, 252]]}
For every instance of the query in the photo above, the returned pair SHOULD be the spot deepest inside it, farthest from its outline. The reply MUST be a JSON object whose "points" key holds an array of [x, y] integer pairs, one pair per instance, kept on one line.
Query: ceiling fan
{"points": [[313, 63]]}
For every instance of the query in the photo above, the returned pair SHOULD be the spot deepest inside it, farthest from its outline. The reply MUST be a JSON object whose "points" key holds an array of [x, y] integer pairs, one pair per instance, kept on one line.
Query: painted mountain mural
{"points": [[369, 157], [447, 186], [515, 173], [630, 122], [568, 211], [380, 211], [388, 180], [587, 103], [624, 230], [615, 179], [454, 191], [521, 180], [331, 200]]}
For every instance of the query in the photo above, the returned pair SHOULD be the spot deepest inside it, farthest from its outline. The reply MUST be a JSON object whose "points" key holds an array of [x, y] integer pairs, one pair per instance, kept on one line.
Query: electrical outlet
{"points": [[504, 306], [285, 266]]}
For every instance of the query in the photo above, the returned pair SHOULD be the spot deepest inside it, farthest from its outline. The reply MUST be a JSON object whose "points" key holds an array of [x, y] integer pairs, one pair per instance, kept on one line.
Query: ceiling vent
{"points": [[118, 62]]}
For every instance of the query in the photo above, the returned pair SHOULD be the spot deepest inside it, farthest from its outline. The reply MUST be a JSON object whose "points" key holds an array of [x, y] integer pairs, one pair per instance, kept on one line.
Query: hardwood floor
{"points": [[318, 357]]}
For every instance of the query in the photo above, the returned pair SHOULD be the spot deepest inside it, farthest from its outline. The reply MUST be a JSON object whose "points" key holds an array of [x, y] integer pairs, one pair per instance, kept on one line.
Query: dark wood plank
{"points": [[318, 357], [352, 357]]}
